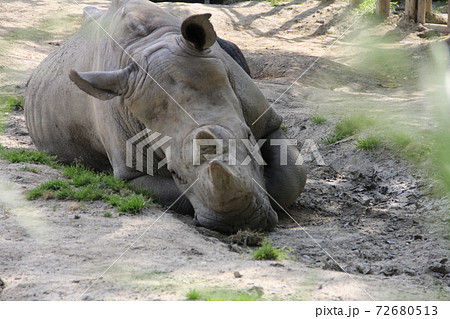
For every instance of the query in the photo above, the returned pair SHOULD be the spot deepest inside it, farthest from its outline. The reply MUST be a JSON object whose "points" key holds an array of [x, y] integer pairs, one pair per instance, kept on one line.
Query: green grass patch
{"points": [[225, 295], [284, 128], [348, 127], [83, 184], [416, 147], [268, 252], [317, 119], [367, 7], [401, 140], [20, 155], [107, 214], [9, 104], [193, 295], [369, 143], [128, 204], [275, 3]]}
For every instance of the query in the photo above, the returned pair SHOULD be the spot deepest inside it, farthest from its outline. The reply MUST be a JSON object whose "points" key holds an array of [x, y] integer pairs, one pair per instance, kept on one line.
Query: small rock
{"points": [[22, 133], [234, 248], [364, 269], [77, 217], [193, 252], [418, 237], [237, 274], [276, 265], [440, 268], [331, 265], [410, 272], [391, 271], [2, 284]]}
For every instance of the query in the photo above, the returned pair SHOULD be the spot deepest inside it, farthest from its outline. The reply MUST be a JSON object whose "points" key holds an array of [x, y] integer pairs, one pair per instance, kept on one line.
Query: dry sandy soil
{"points": [[367, 227]]}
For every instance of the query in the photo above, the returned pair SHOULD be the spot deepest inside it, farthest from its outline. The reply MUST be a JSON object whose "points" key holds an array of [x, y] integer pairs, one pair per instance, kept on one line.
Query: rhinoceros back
{"points": [[58, 116]]}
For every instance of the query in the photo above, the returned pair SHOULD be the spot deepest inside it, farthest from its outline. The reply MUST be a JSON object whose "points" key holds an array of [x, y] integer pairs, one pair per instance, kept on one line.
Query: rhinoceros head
{"points": [[178, 86]]}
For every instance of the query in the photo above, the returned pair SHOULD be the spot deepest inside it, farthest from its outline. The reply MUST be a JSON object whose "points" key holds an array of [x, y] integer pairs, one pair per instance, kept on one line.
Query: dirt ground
{"points": [[367, 225]]}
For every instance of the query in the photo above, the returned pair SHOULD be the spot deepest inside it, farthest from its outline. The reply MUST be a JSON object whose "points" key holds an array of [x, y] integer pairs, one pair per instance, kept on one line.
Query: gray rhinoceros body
{"points": [[135, 66]]}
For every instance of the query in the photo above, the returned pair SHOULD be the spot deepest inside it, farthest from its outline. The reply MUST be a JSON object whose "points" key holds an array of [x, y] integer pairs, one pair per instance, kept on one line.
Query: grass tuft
{"points": [[401, 140], [128, 204], [267, 252], [107, 214], [284, 128], [348, 127], [193, 295], [317, 119], [369, 143]]}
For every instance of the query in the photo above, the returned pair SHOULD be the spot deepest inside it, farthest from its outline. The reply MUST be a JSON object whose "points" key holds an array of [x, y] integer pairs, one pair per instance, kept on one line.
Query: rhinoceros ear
{"points": [[102, 85], [199, 31]]}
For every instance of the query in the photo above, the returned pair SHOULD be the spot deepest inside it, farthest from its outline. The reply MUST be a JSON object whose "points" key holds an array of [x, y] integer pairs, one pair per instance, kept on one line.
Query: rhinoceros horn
{"points": [[227, 192], [199, 31]]}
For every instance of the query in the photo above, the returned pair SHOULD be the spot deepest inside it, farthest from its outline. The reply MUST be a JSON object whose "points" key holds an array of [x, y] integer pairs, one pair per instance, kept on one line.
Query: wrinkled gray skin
{"points": [[88, 98]]}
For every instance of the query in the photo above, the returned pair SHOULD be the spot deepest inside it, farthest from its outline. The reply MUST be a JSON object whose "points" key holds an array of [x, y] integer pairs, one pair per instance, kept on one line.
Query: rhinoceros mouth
{"points": [[260, 217]]}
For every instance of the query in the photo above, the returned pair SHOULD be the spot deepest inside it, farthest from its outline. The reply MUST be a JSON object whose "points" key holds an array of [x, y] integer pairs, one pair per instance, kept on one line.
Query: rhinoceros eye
{"points": [[247, 131], [180, 179]]}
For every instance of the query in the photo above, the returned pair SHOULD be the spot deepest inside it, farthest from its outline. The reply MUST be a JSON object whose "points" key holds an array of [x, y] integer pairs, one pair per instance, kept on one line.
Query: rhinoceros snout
{"points": [[260, 218], [226, 198], [226, 189]]}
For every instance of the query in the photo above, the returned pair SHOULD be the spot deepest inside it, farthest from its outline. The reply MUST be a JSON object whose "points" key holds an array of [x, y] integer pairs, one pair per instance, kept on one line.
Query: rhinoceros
{"points": [[135, 67]]}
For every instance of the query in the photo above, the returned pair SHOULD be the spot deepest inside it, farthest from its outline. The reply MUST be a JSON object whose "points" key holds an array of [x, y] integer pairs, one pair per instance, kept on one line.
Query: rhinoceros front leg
{"points": [[284, 181], [165, 191]]}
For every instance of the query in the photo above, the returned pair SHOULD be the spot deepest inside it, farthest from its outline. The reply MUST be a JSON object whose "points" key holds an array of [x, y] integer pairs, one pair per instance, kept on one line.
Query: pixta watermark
{"points": [[148, 150]]}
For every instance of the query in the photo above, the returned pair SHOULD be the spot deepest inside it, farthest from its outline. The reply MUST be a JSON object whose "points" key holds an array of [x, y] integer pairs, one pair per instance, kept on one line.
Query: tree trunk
{"points": [[429, 6], [411, 9], [421, 10], [448, 19], [383, 8]]}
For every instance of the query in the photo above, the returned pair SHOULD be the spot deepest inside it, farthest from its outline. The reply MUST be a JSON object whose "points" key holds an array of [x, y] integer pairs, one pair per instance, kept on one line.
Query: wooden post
{"points": [[383, 8], [421, 10], [429, 6], [448, 18], [411, 9]]}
